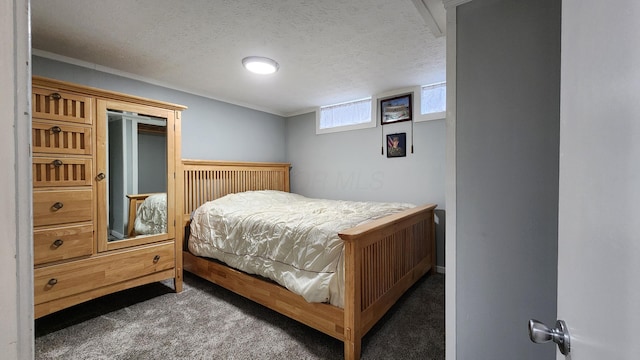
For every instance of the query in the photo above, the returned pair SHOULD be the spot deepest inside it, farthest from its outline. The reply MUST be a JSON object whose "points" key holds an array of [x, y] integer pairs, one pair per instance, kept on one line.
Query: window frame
{"points": [[438, 115], [365, 125]]}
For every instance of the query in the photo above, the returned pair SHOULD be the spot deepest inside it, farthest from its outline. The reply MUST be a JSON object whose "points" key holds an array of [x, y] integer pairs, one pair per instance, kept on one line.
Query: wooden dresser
{"points": [[76, 257]]}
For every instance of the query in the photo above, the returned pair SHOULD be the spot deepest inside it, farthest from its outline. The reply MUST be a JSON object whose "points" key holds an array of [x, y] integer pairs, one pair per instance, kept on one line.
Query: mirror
{"points": [[136, 175], [135, 172]]}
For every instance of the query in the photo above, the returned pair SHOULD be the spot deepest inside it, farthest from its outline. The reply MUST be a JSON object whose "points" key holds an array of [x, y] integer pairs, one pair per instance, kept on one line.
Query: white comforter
{"points": [[151, 216], [285, 237]]}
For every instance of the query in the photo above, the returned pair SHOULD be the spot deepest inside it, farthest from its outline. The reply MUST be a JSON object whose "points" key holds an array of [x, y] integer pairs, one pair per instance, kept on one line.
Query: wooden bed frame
{"points": [[383, 258], [135, 201]]}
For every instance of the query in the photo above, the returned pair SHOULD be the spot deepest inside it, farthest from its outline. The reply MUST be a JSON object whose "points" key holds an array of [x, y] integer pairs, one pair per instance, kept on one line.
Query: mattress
{"points": [[288, 238], [151, 215]]}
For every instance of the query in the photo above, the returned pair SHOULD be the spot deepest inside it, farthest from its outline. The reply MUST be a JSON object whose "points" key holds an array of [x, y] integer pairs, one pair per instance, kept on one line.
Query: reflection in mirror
{"points": [[136, 175]]}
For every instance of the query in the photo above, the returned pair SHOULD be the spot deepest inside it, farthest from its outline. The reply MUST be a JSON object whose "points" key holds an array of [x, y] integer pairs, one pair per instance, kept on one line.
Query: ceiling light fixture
{"points": [[260, 65]]}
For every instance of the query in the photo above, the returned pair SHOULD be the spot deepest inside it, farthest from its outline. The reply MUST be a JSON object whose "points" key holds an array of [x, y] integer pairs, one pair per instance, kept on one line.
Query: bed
{"points": [[147, 214], [382, 257]]}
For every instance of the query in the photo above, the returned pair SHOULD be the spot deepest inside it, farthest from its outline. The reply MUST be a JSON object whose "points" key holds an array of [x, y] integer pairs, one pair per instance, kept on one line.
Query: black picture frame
{"points": [[396, 109], [396, 145]]}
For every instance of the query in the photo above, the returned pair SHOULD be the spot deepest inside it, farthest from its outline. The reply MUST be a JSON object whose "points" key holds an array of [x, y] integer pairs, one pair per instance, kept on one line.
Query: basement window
{"points": [[433, 101], [350, 115]]}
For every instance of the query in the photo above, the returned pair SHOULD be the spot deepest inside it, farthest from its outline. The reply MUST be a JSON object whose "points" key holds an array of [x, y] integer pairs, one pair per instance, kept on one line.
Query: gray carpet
{"points": [[208, 322]]}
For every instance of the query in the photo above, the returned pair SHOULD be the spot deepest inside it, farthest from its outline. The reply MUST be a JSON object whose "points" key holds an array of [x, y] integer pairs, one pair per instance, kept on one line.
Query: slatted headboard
{"points": [[206, 180]]}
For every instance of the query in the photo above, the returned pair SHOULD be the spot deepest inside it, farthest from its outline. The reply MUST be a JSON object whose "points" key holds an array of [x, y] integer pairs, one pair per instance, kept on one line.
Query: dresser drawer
{"points": [[62, 106], [62, 243], [60, 139], [66, 279], [62, 207], [60, 171]]}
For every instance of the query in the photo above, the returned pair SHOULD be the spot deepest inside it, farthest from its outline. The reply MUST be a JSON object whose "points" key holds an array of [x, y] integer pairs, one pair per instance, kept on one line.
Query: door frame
{"points": [[450, 183], [17, 339]]}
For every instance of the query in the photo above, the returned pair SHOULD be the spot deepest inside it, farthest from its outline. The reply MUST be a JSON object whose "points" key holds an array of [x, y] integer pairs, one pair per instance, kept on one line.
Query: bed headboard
{"points": [[206, 180]]}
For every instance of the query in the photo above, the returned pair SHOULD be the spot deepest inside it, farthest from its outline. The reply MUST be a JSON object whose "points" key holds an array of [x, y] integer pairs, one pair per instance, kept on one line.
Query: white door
{"points": [[599, 205]]}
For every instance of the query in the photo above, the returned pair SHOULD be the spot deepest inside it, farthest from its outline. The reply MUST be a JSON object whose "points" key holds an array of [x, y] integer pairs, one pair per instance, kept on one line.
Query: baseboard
{"points": [[440, 269]]}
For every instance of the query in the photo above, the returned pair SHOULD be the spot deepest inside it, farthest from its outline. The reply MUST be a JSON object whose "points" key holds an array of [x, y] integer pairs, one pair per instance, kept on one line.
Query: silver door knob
{"points": [[540, 333]]}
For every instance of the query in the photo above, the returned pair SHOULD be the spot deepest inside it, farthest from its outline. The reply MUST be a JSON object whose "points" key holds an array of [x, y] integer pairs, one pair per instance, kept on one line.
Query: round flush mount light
{"points": [[260, 65]]}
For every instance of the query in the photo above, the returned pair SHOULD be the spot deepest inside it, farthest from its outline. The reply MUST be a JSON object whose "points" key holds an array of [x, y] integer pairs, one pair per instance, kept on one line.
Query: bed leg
{"points": [[352, 349]]}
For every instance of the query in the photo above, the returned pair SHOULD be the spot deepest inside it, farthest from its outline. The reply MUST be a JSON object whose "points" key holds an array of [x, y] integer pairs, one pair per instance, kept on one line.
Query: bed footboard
{"points": [[383, 259]]}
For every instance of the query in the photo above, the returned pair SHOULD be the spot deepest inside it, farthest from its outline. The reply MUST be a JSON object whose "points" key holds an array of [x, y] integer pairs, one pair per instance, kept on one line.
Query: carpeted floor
{"points": [[208, 322]]}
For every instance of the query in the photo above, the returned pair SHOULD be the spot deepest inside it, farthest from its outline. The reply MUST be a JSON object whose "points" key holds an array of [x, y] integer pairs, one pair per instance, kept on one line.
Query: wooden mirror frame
{"points": [[102, 106]]}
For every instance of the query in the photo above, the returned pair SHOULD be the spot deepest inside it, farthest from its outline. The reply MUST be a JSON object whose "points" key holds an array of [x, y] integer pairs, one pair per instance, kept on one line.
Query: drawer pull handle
{"points": [[56, 96], [58, 243], [52, 282], [156, 259], [56, 129], [56, 163], [101, 176], [57, 206]]}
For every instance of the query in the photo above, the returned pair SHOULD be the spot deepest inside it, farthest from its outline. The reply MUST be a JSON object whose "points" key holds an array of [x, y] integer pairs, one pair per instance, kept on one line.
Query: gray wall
{"points": [[508, 96], [118, 208], [152, 164], [349, 166], [211, 129]]}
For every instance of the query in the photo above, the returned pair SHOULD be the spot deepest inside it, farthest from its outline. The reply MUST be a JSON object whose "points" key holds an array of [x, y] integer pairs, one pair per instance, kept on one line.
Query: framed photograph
{"points": [[396, 145], [396, 109]]}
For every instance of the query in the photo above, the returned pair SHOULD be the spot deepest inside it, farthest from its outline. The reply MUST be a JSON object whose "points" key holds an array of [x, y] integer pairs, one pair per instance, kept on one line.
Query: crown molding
{"points": [[450, 4], [108, 70]]}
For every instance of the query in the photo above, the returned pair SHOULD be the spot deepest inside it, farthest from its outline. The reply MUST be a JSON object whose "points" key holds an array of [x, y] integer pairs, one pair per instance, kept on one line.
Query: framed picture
{"points": [[396, 109], [397, 145]]}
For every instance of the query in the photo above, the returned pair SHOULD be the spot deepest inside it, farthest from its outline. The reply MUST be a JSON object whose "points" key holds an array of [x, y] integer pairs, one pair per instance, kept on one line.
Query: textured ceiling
{"points": [[329, 51]]}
